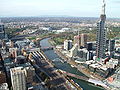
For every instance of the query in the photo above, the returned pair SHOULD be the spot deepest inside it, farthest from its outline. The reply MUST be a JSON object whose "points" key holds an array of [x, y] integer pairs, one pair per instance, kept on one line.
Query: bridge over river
{"points": [[90, 80], [47, 48], [74, 75]]}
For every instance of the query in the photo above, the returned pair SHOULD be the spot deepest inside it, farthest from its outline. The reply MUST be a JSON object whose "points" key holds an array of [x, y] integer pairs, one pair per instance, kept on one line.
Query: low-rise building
{"points": [[4, 86], [112, 63]]}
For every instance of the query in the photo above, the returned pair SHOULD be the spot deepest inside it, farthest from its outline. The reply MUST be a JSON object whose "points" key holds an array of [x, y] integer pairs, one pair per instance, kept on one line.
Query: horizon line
{"points": [[55, 16]]}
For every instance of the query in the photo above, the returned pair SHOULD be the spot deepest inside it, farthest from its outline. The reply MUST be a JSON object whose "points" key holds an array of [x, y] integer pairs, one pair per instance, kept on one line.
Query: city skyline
{"points": [[59, 51], [78, 8]]}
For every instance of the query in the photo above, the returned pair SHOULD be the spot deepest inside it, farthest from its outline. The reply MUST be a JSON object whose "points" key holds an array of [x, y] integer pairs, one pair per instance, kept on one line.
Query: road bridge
{"points": [[47, 48]]}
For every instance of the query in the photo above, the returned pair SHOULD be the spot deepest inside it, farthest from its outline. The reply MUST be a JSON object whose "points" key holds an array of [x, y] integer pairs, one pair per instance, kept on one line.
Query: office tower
{"points": [[101, 34], [67, 44], [89, 46], [73, 51], [111, 46], [18, 78], [77, 40], [83, 40]]}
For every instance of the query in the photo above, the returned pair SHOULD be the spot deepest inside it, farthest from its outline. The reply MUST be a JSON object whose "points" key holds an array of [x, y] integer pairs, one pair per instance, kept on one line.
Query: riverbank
{"points": [[63, 65], [74, 64], [80, 68], [71, 83]]}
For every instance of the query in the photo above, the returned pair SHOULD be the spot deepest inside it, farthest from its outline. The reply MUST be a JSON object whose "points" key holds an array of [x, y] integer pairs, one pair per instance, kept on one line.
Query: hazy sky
{"points": [[81, 8]]}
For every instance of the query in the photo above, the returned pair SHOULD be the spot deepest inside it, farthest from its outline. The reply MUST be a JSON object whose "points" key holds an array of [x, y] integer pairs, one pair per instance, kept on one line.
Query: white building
{"points": [[46, 28], [117, 43], [67, 44], [65, 29], [112, 63], [4, 86], [18, 78]]}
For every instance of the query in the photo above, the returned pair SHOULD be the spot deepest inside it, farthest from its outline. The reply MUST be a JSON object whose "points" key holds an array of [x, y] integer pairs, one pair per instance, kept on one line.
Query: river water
{"points": [[66, 67]]}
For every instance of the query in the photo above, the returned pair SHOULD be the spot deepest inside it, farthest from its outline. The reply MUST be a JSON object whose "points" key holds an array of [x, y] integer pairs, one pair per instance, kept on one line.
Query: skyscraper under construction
{"points": [[101, 34]]}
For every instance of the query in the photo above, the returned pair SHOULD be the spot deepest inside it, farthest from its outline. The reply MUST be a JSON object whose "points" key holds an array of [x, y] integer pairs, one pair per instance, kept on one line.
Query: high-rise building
{"points": [[111, 46], [83, 40], [101, 34], [67, 44], [89, 46], [18, 78], [73, 51], [77, 40]]}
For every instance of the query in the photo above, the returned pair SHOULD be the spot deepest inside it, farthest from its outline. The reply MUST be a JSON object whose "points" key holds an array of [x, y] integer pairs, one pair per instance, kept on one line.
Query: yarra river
{"points": [[66, 67]]}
